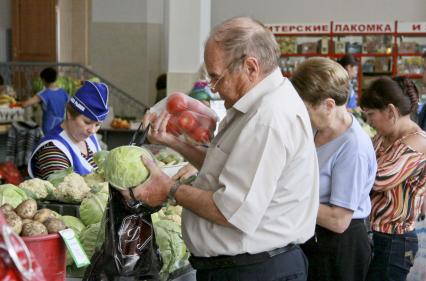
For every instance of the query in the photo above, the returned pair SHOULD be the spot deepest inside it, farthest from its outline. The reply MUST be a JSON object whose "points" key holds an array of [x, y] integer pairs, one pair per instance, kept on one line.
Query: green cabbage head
{"points": [[11, 194], [74, 223], [99, 159], [92, 207], [123, 167], [90, 238]]}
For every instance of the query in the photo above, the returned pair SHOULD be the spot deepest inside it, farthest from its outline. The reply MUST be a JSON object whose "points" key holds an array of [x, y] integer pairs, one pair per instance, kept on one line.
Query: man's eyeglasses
{"points": [[214, 81]]}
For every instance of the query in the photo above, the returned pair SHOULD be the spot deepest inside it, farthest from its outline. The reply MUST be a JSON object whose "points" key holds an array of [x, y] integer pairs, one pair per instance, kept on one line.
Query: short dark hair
{"points": [[399, 91], [161, 83], [48, 75], [72, 111], [424, 55], [347, 59]]}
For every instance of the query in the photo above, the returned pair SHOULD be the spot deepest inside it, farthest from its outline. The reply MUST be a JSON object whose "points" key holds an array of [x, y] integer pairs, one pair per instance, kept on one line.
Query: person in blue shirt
{"points": [[340, 249], [351, 65], [421, 120], [53, 100], [73, 142]]}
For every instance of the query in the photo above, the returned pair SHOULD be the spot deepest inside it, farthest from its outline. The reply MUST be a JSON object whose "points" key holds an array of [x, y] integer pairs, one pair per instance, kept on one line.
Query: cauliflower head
{"points": [[72, 189], [37, 188]]}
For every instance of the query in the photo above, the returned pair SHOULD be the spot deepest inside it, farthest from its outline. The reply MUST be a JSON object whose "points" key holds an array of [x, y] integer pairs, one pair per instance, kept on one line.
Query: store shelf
{"points": [[382, 49], [410, 54], [384, 73], [305, 55], [411, 76], [372, 55]]}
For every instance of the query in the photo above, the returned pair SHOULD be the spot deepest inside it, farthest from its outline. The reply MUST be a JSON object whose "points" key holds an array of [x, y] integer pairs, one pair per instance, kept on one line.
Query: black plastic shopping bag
{"points": [[129, 251]]}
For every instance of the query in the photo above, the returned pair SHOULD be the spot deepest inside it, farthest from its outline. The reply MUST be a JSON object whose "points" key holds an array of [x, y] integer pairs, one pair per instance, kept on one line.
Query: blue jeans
{"points": [[288, 266], [393, 256]]}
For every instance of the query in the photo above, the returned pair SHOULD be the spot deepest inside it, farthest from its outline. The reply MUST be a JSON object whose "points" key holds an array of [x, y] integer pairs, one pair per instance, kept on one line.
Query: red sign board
{"points": [[412, 27], [342, 27], [295, 28]]}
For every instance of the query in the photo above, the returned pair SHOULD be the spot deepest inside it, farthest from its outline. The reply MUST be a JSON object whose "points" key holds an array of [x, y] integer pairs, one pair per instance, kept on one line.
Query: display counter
{"points": [[114, 137]]}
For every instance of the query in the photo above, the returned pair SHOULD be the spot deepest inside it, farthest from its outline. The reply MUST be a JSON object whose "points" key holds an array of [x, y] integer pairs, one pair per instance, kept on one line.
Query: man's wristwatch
{"points": [[171, 199]]}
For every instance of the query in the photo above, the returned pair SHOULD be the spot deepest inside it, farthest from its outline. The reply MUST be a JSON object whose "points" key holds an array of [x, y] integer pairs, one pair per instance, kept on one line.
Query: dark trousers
{"points": [[291, 265], [393, 256], [339, 257]]}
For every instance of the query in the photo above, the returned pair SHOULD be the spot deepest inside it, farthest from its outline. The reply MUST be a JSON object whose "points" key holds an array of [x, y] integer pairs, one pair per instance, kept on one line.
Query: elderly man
{"points": [[256, 196]]}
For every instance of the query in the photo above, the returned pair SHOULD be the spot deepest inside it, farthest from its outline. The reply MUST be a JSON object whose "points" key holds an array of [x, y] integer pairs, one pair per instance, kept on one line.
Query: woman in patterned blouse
{"points": [[399, 189]]}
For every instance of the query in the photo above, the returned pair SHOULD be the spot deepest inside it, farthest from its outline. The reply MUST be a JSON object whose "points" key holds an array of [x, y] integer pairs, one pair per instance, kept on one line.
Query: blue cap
{"points": [[91, 100]]}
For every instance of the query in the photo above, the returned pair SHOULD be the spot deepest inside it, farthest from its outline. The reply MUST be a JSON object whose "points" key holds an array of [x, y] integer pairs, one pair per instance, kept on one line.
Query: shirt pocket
{"points": [[212, 168]]}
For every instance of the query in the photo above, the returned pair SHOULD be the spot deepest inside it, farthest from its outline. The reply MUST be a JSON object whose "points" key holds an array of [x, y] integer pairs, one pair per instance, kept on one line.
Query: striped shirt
{"points": [[399, 188], [49, 159]]}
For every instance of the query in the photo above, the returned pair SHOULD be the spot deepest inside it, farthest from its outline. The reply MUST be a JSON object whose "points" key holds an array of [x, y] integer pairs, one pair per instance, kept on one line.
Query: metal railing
{"points": [[21, 74]]}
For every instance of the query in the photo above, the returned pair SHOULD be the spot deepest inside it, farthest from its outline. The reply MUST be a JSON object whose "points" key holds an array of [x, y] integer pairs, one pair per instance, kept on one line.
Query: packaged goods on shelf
{"points": [[288, 45], [408, 65], [382, 64], [340, 47], [308, 48], [388, 48], [323, 43], [353, 48], [368, 66], [377, 44], [408, 47]]}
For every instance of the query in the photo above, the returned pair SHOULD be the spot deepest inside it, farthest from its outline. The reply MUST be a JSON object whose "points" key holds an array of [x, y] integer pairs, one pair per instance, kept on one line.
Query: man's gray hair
{"points": [[245, 37]]}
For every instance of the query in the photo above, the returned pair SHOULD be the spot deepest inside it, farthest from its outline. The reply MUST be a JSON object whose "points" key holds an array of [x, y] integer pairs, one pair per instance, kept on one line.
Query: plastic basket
{"points": [[50, 253]]}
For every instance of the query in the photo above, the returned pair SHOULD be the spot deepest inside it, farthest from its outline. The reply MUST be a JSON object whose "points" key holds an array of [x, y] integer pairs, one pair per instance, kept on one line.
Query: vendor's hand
{"points": [[155, 189], [158, 132], [185, 172]]}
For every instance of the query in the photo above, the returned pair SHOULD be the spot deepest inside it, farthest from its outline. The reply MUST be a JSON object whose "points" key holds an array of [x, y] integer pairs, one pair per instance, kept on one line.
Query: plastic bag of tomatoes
{"points": [[189, 117]]}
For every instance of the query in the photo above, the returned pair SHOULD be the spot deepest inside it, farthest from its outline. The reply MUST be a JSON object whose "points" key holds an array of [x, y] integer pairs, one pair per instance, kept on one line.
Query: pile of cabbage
{"points": [[92, 208], [62, 186], [168, 235], [123, 168], [88, 228]]}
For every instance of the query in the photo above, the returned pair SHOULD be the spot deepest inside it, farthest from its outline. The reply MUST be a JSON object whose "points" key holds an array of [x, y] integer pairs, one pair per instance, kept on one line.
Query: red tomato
{"points": [[187, 121], [172, 126], [177, 103], [201, 108], [201, 135]]}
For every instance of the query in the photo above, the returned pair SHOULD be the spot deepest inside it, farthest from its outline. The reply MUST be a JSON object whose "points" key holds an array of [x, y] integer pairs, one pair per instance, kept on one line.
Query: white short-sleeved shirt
{"points": [[263, 170], [347, 171]]}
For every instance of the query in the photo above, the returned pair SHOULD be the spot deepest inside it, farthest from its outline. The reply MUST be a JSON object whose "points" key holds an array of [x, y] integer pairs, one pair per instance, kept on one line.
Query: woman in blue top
{"points": [[73, 142], [351, 65], [53, 100], [340, 249]]}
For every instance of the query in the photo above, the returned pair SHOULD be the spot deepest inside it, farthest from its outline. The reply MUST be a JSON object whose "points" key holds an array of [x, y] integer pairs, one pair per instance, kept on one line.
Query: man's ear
{"points": [[251, 66]]}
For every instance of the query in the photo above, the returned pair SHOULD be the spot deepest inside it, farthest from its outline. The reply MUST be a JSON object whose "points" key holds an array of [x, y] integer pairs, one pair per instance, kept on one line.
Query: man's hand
{"points": [[158, 132], [155, 189], [185, 172]]}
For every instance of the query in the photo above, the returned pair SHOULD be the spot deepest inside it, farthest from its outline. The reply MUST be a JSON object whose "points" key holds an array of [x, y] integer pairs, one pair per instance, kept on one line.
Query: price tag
{"points": [[74, 247]]}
